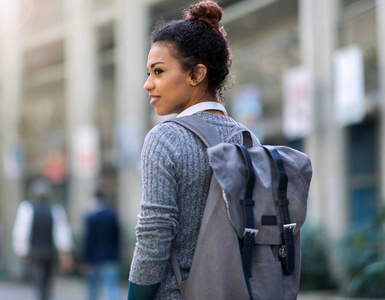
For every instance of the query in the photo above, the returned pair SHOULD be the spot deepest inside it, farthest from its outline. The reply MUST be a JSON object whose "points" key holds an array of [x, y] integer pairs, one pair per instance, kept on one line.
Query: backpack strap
{"points": [[286, 252], [249, 234], [248, 138], [248, 203], [208, 136], [175, 266], [200, 127]]}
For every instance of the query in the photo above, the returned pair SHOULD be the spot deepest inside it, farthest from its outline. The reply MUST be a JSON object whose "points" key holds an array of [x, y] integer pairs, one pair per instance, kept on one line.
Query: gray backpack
{"points": [[249, 241]]}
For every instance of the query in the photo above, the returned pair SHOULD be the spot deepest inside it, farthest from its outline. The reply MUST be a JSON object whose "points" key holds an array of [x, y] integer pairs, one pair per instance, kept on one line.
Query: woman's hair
{"points": [[199, 39]]}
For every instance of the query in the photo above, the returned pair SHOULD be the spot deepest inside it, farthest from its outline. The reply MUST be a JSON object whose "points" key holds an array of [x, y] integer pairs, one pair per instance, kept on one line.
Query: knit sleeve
{"points": [[157, 221]]}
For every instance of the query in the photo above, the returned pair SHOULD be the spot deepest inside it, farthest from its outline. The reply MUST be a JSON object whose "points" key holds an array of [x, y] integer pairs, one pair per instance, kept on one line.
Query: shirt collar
{"points": [[202, 106]]}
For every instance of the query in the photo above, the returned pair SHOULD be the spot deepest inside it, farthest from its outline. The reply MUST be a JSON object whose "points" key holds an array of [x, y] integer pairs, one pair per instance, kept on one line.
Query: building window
{"points": [[363, 172]]}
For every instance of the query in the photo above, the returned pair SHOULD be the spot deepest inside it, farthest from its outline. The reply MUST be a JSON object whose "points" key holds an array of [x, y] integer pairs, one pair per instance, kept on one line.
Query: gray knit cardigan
{"points": [[176, 178]]}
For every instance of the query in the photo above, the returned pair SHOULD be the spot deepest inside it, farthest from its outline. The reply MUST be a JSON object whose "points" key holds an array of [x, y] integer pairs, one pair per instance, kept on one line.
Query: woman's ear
{"points": [[198, 74]]}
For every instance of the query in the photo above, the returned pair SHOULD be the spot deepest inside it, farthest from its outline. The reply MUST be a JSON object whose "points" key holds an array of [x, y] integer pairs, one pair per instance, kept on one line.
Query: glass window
{"points": [[362, 171]]}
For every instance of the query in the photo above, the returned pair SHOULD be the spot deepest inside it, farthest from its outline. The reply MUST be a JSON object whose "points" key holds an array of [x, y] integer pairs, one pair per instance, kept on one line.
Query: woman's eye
{"points": [[158, 71]]}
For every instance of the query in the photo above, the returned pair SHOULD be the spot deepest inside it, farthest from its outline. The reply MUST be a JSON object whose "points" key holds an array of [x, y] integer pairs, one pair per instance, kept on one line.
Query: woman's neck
{"points": [[215, 112]]}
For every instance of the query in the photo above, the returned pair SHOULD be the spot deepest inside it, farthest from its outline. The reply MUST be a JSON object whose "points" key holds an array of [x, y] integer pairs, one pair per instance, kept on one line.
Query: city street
{"points": [[73, 288], [65, 288]]}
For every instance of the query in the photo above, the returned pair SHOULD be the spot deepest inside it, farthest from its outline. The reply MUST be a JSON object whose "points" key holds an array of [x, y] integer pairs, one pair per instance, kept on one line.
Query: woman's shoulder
{"points": [[162, 128], [166, 132], [170, 133], [168, 138]]}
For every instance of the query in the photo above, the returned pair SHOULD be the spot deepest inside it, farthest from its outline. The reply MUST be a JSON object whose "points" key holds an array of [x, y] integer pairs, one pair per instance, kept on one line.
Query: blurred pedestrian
{"points": [[188, 64], [41, 231], [101, 249]]}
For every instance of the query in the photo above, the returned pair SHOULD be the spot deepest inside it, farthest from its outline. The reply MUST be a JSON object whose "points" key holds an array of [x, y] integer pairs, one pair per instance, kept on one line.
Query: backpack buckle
{"points": [[250, 230], [290, 226]]}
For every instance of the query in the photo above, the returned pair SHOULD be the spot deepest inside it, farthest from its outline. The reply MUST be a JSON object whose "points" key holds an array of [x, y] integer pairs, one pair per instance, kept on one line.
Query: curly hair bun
{"points": [[206, 11]]}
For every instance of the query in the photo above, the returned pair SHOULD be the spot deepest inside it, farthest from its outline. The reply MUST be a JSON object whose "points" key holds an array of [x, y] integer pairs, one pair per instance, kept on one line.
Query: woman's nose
{"points": [[148, 85]]}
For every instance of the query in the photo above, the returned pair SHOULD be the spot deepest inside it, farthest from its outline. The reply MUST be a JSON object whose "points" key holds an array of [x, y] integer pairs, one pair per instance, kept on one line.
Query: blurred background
{"points": [[309, 74]]}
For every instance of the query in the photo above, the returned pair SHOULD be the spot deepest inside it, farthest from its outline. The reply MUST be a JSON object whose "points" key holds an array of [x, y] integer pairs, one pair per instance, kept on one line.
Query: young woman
{"points": [[187, 69]]}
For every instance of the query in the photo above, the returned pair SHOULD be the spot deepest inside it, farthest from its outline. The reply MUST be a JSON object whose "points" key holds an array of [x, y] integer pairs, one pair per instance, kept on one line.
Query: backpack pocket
{"points": [[267, 280]]}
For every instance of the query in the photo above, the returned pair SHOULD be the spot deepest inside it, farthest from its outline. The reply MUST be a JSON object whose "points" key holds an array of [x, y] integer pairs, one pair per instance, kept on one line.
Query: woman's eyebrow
{"points": [[155, 63]]}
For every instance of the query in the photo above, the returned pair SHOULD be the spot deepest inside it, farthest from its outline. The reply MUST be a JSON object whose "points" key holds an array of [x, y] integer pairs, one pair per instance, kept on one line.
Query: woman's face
{"points": [[168, 84]]}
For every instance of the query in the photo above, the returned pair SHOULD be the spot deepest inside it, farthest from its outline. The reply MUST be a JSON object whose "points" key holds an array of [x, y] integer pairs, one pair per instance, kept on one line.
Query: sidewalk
{"points": [[64, 288], [73, 288]]}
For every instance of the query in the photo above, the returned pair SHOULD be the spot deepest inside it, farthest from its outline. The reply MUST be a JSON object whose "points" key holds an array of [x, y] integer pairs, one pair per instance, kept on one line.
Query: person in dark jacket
{"points": [[101, 249]]}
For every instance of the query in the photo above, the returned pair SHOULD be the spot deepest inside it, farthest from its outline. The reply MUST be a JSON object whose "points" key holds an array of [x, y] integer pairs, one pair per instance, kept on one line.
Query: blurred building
{"points": [[310, 74]]}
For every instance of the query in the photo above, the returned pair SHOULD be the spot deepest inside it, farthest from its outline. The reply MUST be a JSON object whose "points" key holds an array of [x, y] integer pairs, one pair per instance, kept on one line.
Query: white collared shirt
{"points": [[202, 106]]}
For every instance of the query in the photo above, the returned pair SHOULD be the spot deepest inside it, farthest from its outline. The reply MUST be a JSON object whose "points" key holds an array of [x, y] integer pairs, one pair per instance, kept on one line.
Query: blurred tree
{"points": [[361, 251], [315, 270]]}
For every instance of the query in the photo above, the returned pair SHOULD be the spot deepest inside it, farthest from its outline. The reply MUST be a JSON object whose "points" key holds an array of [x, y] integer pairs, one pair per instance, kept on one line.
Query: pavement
{"points": [[73, 288], [64, 288]]}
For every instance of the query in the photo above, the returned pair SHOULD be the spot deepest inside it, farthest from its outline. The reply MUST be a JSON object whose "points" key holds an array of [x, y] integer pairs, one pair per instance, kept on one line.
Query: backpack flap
{"points": [[230, 171]]}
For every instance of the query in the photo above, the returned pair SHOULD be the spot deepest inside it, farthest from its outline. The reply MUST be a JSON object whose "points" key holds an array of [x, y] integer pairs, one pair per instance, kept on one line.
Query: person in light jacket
{"points": [[41, 231]]}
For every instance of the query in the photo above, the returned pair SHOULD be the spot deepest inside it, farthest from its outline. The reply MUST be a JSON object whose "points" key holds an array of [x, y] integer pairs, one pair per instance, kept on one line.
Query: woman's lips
{"points": [[154, 99]]}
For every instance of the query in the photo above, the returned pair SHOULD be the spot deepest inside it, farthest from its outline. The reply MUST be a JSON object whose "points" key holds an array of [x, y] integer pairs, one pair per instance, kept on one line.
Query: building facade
{"points": [[310, 74]]}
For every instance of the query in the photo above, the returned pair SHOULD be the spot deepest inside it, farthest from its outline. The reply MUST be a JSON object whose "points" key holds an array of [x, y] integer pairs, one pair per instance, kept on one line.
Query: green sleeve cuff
{"points": [[141, 292]]}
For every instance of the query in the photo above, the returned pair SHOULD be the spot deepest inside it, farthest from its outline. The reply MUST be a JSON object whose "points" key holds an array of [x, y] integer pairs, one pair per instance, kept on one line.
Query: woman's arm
{"points": [[158, 218]]}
